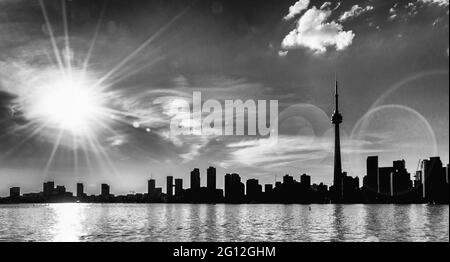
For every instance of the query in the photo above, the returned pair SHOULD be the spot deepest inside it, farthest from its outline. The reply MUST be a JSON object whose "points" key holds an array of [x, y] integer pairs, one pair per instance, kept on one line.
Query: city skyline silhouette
{"points": [[382, 185]]}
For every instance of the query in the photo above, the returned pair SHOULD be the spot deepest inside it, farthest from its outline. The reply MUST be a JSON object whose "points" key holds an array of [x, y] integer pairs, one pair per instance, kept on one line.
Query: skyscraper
{"points": [[60, 190], [401, 180], [305, 180], [385, 182], [434, 181], [151, 184], [288, 180], [372, 174], [234, 188], [48, 188], [14, 192], [195, 179], [336, 119], [178, 187], [105, 190], [211, 178], [80, 190], [254, 189], [169, 185]]}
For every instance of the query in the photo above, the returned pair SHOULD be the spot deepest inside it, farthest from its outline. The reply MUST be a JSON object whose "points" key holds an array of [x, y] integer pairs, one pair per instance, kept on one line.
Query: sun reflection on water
{"points": [[68, 224]]}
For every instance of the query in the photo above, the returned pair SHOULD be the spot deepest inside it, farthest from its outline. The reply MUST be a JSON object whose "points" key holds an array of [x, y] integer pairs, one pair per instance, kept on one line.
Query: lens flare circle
{"points": [[392, 130]]}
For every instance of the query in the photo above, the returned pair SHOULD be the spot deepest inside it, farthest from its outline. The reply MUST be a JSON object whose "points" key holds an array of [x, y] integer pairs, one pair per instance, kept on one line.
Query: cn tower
{"points": [[336, 119]]}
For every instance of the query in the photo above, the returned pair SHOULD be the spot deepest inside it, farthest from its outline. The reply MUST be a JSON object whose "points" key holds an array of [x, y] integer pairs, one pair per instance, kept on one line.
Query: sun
{"points": [[71, 103]]}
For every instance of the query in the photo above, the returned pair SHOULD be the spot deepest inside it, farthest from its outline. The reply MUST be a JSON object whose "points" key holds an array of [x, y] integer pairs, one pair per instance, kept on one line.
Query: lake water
{"points": [[190, 222]]}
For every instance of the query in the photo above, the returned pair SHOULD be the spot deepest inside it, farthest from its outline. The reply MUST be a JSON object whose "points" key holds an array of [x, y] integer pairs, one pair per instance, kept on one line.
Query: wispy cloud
{"points": [[268, 152], [443, 3], [355, 11]]}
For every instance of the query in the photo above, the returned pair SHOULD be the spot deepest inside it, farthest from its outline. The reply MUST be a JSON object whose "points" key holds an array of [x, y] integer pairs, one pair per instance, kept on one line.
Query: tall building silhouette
{"points": [[336, 119], [401, 181], [372, 174], [48, 188], [211, 178], [385, 183], [151, 188], [234, 188], [254, 190], [60, 190], [105, 190], [80, 190], [169, 186], [14, 192], [195, 179], [305, 180], [178, 187], [434, 181]]}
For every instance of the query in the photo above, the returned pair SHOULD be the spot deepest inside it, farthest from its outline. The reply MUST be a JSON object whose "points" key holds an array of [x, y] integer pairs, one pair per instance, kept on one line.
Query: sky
{"points": [[131, 64]]}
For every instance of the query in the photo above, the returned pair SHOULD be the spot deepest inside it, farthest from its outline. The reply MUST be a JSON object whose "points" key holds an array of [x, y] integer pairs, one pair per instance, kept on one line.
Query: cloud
{"points": [[325, 5], [393, 12], [267, 152], [282, 53], [443, 3], [315, 33], [355, 11], [297, 8], [412, 8]]}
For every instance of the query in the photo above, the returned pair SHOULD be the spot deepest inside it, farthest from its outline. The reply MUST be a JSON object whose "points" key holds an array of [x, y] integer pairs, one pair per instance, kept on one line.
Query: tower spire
{"points": [[336, 94], [336, 119]]}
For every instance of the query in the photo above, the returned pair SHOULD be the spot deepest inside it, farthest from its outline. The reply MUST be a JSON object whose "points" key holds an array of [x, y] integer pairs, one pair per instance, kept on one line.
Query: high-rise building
{"points": [[350, 187], [234, 188], [158, 193], [305, 180], [385, 181], [195, 179], [151, 185], [48, 188], [336, 119], [435, 187], [14, 192], [401, 180], [169, 185], [60, 190], [288, 180], [178, 187], [211, 178], [80, 190], [372, 174], [105, 190], [254, 189]]}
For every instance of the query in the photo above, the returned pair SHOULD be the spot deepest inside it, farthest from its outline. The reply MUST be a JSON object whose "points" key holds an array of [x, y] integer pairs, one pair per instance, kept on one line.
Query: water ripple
{"points": [[186, 222]]}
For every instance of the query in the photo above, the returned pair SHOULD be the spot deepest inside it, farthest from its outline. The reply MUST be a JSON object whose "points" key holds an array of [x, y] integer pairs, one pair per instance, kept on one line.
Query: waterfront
{"points": [[191, 222]]}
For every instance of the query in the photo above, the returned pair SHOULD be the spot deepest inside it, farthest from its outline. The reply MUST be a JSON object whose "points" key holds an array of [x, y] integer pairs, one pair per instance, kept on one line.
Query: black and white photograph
{"points": [[224, 121]]}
